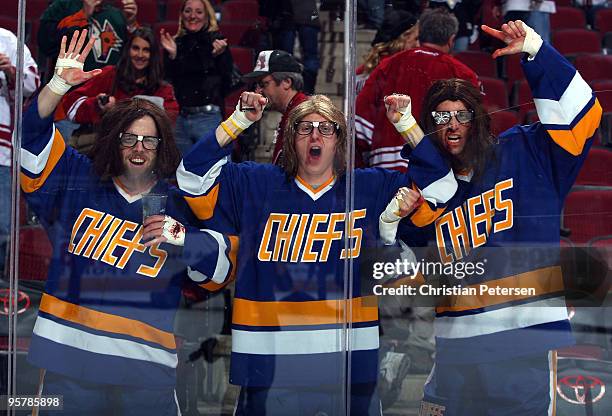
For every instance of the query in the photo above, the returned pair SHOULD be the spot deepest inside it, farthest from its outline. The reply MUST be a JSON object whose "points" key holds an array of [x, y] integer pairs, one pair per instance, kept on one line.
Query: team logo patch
{"points": [[578, 389], [23, 301], [107, 41]]}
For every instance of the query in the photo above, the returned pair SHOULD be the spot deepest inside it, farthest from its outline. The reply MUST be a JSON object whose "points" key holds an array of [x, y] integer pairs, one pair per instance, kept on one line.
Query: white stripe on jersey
{"points": [[302, 342], [100, 344]]}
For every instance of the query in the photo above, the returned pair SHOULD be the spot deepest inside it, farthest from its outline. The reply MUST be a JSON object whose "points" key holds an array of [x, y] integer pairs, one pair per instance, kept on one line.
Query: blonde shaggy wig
{"points": [[323, 106]]}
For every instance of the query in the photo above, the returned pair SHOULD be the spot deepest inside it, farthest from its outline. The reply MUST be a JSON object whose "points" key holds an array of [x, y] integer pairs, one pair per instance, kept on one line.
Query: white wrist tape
{"points": [[533, 42], [391, 212], [57, 84], [240, 118], [406, 121], [174, 231]]}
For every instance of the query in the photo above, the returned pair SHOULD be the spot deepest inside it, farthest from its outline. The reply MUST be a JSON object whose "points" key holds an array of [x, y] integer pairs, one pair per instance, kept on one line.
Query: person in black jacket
{"points": [[199, 65], [285, 19]]}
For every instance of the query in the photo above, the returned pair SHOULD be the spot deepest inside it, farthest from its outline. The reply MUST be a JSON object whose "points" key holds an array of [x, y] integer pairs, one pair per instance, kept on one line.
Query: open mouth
{"points": [[453, 138], [137, 160], [315, 151]]}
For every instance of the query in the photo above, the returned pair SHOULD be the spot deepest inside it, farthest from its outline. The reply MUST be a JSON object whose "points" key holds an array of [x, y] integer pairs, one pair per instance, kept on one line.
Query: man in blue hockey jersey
{"points": [[289, 343], [104, 332], [495, 351]]}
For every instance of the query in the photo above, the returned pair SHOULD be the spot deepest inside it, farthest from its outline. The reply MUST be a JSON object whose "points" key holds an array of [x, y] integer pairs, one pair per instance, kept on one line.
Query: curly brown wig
{"points": [[106, 151]]}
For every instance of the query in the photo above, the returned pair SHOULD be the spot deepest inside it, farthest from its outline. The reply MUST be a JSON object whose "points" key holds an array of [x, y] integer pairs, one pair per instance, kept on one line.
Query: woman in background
{"points": [[139, 72], [199, 65]]}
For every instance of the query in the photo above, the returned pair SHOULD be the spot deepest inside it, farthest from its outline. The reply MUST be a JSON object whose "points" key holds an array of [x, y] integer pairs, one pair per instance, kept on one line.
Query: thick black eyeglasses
{"points": [[130, 140], [444, 117], [326, 128]]}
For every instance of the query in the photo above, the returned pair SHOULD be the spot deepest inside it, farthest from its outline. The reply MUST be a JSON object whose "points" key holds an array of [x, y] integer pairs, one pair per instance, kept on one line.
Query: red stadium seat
{"points": [[604, 244], [35, 8], [479, 62], [513, 70], [588, 214], [603, 20], [502, 121], [8, 23], [35, 253], [173, 9], [496, 95], [596, 169], [235, 31], [524, 101], [594, 66], [244, 58], [564, 3], [148, 12], [574, 41], [567, 18], [603, 91], [170, 26], [239, 10]]}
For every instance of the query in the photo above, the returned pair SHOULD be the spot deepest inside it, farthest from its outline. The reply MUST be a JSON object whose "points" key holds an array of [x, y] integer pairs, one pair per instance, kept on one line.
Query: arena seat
{"points": [[496, 95], [8, 23], [594, 66], [170, 26], [575, 41], [603, 20], [564, 3], [567, 18], [524, 101], [603, 242], [513, 71], [173, 9], [480, 62], [148, 12], [244, 58], [588, 213], [596, 169], [234, 31], [503, 120], [239, 10], [35, 253]]}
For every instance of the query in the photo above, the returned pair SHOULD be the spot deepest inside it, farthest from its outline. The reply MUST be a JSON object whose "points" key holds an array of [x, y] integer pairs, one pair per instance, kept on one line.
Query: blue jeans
{"points": [[5, 213], [375, 10], [309, 40], [538, 21], [192, 127]]}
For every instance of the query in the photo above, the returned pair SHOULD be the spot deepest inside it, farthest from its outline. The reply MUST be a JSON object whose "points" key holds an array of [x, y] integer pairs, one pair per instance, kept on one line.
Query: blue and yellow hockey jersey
{"points": [[510, 219], [107, 314], [289, 310]]}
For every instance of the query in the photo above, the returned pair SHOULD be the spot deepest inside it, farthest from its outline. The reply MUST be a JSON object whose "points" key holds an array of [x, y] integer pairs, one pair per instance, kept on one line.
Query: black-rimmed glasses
{"points": [[444, 117], [130, 140], [326, 128]]}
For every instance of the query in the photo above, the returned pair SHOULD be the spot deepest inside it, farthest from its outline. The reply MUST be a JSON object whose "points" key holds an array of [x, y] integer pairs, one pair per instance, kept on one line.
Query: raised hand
{"points": [[407, 199], [69, 66], [218, 45], [130, 10], [256, 103], [68, 72], [512, 34], [397, 105], [89, 6], [168, 43]]}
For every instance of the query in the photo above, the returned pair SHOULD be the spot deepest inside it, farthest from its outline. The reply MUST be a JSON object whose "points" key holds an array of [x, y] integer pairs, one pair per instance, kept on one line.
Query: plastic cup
{"points": [[153, 204]]}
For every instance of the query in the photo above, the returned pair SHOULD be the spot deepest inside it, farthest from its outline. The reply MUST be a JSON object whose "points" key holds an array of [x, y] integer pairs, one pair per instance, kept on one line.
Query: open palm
{"points": [[70, 61]]}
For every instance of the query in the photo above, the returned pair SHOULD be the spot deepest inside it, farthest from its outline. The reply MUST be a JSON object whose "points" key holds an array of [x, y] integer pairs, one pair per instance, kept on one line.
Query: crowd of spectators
{"points": [[187, 65]]}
